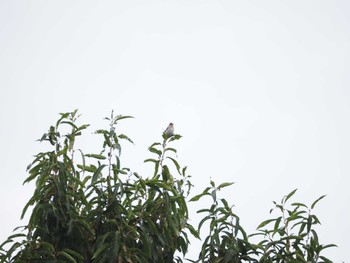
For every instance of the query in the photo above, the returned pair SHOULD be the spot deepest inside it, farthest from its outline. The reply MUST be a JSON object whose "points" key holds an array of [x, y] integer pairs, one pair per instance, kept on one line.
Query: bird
{"points": [[169, 131]]}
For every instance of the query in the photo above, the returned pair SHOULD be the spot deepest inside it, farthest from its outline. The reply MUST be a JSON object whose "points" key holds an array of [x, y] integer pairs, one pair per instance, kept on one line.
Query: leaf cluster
{"points": [[291, 236], [87, 207]]}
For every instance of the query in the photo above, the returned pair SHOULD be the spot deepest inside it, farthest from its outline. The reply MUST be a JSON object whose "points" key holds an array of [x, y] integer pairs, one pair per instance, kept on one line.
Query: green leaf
{"points": [[170, 149], [30, 178], [175, 137], [29, 203], [155, 144], [86, 178], [96, 156], [70, 123], [315, 202], [326, 260], [223, 185], [97, 172], [291, 238], [82, 127], [277, 223], [89, 168], [121, 117], [299, 204], [176, 164], [151, 160], [213, 194], [225, 203], [166, 173], [68, 258], [197, 197], [328, 246], [17, 235], [124, 137], [316, 221], [156, 151], [100, 250], [302, 227], [203, 221], [289, 195], [184, 170], [203, 210], [115, 245], [266, 222], [82, 157]]}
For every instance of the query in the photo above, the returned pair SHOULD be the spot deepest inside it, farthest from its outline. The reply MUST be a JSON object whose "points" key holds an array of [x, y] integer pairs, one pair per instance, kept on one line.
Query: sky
{"points": [[259, 90]]}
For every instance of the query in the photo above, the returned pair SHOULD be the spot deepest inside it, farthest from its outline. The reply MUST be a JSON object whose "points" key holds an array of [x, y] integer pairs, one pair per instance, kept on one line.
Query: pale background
{"points": [[258, 89]]}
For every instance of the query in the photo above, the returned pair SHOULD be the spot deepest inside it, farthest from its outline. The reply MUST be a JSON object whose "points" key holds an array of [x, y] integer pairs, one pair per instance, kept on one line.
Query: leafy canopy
{"points": [[87, 207]]}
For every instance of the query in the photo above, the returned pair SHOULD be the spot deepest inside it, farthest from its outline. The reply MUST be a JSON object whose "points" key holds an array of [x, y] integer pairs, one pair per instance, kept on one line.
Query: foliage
{"points": [[293, 237], [227, 240], [87, 207]]}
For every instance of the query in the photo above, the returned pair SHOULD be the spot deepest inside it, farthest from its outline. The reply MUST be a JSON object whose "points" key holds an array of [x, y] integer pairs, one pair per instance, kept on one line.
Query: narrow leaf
{"points": [[314, 203], [223, 185], [176, 164], [96, 156], [289, 195]]}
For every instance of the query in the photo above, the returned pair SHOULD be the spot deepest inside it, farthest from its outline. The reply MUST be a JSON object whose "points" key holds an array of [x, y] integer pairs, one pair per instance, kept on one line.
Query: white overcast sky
{"points": [[258, 89]]}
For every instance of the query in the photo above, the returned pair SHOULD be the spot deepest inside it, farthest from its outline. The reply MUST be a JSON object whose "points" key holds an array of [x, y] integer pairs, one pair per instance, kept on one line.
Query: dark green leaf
{"points": [[120, 117], [66, 256], [289, 195], [96, 156], [151, 160], [175, 137], [266, 222], [170, 149], [124, 137], [97, 173], [197, 197], [314, 203], [299, 204], [156, 151], [176, 164], [100, 250], [223, 185]]}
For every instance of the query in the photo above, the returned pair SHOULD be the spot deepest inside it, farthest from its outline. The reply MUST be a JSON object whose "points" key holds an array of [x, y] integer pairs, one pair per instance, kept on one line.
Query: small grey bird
{"points": [[169, 131]]}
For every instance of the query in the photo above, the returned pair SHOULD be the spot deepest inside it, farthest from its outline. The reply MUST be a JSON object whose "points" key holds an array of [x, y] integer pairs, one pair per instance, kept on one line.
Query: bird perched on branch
{"points": [[169, 131]]}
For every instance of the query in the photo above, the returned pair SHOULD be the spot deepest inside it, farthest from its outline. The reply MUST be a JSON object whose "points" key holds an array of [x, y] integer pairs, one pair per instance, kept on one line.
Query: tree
{"points": [[87, 207]]}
